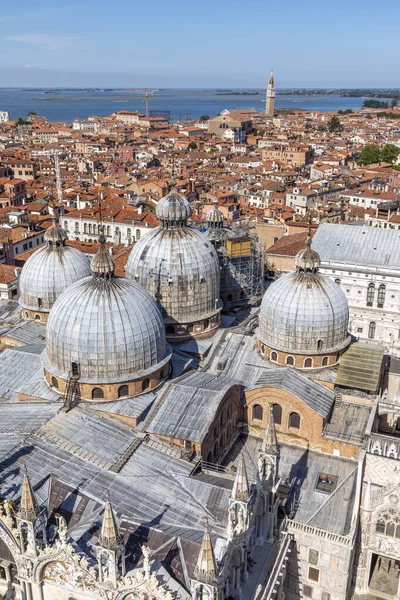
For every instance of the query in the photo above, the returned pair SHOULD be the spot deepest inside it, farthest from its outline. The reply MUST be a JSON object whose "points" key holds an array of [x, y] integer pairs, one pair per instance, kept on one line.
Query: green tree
{"points": [[32, 112], [192, 146], [204, 117], [21, 121], [321, 128], [371, 153], [390, 153], [334, 125]]}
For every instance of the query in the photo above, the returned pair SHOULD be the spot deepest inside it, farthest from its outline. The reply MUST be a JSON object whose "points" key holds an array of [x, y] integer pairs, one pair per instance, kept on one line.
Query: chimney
{"points": [[140, 209], [102, 196], [111, 250]]}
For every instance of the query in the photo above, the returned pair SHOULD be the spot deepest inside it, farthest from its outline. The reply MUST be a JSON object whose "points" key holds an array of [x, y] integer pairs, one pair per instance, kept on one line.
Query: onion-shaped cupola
{"points": [[48, 272], [304, 316], [180, 269], [109, 332]]}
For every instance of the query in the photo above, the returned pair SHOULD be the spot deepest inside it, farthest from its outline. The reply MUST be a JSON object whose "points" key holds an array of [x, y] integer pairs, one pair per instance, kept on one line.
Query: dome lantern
{"points": [[103, 264], [173, 210]]}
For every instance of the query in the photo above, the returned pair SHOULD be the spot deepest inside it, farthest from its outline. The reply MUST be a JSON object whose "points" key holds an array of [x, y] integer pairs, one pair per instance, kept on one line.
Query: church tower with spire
{"points": [[110, 549], [270, 99]]}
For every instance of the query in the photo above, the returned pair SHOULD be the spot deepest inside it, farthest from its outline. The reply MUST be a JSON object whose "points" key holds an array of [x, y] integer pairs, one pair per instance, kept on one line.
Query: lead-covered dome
{"points": [[48, 272], [110, 327], [304, 312], [179, 267]]}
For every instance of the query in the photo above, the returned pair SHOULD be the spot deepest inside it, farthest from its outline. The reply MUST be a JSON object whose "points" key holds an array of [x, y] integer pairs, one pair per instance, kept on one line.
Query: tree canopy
{"points": [[192, 146], [334, 125], [371, 153], [204, 117]]}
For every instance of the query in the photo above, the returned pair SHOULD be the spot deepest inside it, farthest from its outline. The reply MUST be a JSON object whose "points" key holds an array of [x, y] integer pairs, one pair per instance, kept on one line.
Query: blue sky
{"points": [[213, 43]]}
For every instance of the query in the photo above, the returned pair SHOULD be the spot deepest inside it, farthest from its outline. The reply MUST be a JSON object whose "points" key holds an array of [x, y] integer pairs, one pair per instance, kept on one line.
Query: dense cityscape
{"points": [[200, 354]]}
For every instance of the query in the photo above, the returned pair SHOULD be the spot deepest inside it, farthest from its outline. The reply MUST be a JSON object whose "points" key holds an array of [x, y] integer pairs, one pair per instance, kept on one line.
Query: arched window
{"points": [[257, 412], [388, 523], [145, 384], [320, 343], [123, 390], [370, 294], [325, 361], [54, 382], [26, 315], [66, 225], [209, 457], [308, 363], [337, 281], [108, 230], [222, 440], [170, 329], [274, 356], [371, 330], [38, 318], [275, 239], [129, 233], [97, 393], [206, 324], [76, 227], [294, 420], [381, 295], [222, 419], [90, 229], [290, 360], [277, 409], [138, 234], [229, 431], [85, 228], [216, 451], [95, 229]]}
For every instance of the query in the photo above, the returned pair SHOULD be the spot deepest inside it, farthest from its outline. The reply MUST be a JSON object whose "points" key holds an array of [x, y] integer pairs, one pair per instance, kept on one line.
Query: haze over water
{"points": [[66, 104]]}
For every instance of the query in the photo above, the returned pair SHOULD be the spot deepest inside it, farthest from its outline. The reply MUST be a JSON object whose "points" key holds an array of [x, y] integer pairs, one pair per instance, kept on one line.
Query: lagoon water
{"points": [[66, 105]]}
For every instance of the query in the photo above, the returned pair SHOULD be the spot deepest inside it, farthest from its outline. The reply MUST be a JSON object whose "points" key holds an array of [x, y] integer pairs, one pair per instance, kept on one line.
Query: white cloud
{"points": [[42, 39]]}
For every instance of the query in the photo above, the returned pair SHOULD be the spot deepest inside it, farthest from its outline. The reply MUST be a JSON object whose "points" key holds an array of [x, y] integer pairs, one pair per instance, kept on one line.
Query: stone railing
{"points": [[277, 577], [384, 445], [335, 538]]}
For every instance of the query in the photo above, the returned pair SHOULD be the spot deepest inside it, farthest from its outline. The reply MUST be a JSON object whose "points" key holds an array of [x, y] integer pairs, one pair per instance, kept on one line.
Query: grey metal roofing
{"points": [[111, 327], [152, 487], [301, 312], [24, 417], [348, 422], [127, 407], [235, 355], [10, 311], [23, 372], [188, 406], [48, 272], [316, 396], [28, 332], [369, 246], [302, 467]]}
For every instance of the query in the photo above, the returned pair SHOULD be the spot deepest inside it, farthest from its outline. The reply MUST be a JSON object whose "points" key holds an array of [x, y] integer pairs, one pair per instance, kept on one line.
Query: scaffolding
{"points": [[242, 261]]}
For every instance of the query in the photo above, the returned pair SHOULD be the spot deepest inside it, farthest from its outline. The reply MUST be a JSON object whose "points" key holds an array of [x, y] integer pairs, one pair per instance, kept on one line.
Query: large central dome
{"points": [[304, 313], [49, 272], [111, 329], [179, 267]]}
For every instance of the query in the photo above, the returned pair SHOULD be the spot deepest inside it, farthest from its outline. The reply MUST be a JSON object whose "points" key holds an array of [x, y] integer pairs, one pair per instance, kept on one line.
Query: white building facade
{"points": [[365, 262]]}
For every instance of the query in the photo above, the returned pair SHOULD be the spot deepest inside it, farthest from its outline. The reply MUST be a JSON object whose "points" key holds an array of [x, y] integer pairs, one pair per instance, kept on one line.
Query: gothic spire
{"points": [[240, 490], [270, 443], [109, 536], [29, 508], [206, 567]]}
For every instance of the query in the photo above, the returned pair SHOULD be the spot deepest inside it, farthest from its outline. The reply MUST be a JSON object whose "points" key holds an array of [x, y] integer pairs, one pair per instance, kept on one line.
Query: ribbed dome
{"points": [[215, 216], [50, 270], [304, 312], [110, 326], [180, 269], [173, 210]]}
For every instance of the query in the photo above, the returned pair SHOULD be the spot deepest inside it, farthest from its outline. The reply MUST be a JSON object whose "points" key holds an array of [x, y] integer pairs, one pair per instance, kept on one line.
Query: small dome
{"points": [[215, 216], [110, 326], [173, 210], [307, 259], [50, 270]]}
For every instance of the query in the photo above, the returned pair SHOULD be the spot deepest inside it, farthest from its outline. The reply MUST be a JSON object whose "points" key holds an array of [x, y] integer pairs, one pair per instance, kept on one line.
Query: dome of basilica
{"points": [[179, 267], [48, 272], [304, 313], [111, 328]]}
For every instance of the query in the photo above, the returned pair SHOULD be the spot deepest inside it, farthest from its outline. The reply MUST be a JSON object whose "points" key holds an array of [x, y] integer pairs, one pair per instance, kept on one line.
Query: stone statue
{"points": [[146, 560], [62, 528]]}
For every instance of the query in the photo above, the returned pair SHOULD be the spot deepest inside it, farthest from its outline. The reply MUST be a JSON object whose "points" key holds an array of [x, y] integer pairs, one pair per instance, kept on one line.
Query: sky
{"points": [[213, 43]]}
